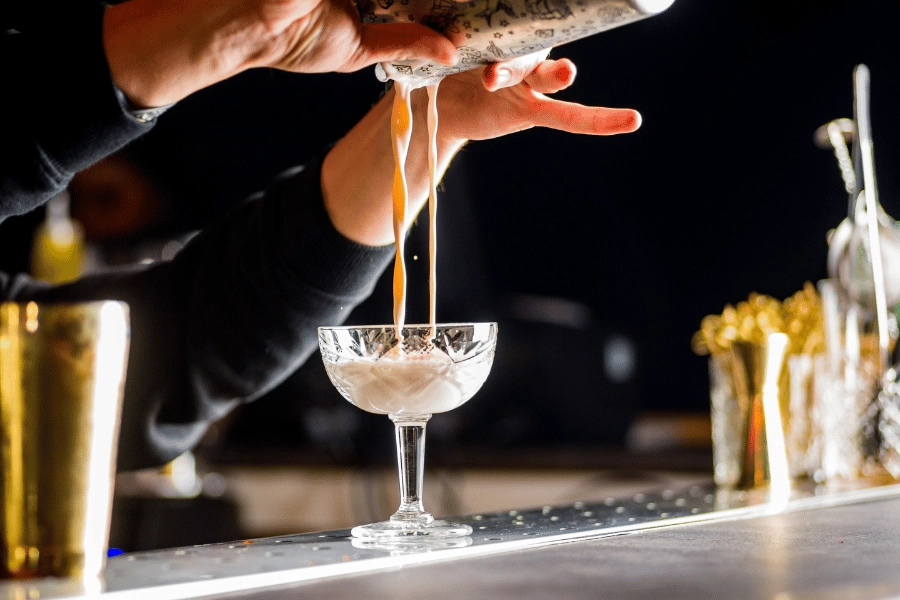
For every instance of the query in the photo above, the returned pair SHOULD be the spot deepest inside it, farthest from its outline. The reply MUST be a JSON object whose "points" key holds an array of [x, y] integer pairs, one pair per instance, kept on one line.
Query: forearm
{"points": [[358, 173], [229, 317]]}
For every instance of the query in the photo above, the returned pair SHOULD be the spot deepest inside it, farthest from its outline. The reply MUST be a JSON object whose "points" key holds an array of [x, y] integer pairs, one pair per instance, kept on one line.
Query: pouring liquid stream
{"points": [[401, 133]]}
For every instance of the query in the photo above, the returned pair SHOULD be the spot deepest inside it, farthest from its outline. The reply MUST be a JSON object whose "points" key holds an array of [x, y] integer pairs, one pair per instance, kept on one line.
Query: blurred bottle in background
{"points": [[58, 250]]}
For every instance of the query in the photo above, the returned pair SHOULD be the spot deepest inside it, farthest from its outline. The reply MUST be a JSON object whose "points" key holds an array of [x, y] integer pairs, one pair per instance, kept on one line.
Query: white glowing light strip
{"points": [[112, 346], [864, 134], [779, 476]]}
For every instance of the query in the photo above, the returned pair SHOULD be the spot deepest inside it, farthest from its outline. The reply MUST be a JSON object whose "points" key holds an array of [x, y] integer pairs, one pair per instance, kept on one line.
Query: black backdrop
{"points": [[720, 193]]}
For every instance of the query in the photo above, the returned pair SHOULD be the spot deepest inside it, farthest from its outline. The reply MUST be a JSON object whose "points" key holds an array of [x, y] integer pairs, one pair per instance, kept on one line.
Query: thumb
{"points": [[511, 72], [403, 41]]}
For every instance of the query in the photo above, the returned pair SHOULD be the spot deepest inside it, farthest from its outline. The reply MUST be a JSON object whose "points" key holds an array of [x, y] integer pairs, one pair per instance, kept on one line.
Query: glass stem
{"points": [[410, 433]]}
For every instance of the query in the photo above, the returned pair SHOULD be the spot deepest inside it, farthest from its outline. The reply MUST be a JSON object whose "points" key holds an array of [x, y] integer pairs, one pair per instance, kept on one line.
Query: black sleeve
{"points": [[232, 315], [58, 108]]}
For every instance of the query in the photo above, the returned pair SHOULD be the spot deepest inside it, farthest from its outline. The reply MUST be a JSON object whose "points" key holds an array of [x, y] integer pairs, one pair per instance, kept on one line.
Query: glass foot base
{"points": [[410, 545], [392, 530]]}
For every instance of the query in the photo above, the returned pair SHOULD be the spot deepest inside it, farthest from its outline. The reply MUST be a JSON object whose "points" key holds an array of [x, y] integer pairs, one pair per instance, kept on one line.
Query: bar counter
{"points": [[690, 543]]}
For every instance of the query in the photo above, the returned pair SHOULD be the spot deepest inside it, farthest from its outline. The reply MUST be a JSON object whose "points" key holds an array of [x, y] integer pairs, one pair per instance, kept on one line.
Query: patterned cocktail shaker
{"points": [[488, 31]]}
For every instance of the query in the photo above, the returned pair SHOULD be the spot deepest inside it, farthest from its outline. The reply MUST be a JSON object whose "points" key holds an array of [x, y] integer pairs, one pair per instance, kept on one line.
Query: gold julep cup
{"points": [[748, 426], [62, 375]]}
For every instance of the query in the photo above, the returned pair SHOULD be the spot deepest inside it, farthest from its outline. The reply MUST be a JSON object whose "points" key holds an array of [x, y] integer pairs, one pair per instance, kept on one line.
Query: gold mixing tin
{"points": [[62, 373]]}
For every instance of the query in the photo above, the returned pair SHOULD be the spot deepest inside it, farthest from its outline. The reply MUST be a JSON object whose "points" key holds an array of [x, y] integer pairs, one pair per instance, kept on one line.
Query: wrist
{"points": [[356, 179]]}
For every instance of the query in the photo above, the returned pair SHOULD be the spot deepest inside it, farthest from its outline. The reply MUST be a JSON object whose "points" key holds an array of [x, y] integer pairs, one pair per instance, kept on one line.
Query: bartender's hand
{"points": [[516, 100], [161, 51], [358, 172]]}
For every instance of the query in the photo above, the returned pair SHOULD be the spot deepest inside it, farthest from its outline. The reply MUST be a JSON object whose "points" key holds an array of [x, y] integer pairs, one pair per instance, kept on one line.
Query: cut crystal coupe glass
{"points": [[431, 369]]}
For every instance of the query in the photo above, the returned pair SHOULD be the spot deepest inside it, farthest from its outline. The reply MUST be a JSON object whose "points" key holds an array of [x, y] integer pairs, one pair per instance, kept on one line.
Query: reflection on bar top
{"points": [[199, 571]]}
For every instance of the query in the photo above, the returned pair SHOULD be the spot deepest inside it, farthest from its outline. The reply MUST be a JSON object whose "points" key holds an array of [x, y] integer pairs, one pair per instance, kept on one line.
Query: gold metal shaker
{"points": [[62, 374]]}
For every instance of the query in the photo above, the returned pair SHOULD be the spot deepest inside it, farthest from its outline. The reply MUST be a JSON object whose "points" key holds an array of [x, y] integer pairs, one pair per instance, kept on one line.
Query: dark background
{"points": [[720, 193]]}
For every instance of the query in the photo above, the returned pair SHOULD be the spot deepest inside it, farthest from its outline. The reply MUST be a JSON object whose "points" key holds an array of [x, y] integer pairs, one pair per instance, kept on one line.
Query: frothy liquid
{"points": [[400, 384]]}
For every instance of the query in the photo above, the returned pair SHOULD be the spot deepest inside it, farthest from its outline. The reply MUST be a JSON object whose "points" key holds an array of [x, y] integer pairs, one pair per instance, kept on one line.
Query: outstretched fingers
{"points": [[402, 41], [577, 118]]}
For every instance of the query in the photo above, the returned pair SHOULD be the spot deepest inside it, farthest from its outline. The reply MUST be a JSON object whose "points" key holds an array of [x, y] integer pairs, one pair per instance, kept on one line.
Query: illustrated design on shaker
{"points": [[487, 31], [492, 8]]}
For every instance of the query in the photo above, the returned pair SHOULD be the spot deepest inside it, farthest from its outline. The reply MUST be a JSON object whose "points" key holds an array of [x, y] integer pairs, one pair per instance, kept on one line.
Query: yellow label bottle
{"points": [[57, 254]]}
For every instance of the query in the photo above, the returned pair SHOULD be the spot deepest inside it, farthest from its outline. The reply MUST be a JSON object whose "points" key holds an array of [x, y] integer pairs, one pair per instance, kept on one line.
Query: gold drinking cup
{"points": [[62, 374]]}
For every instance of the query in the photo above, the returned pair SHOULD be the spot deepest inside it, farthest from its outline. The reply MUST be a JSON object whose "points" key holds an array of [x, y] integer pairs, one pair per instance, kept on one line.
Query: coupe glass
{"points": [[433, 370]]}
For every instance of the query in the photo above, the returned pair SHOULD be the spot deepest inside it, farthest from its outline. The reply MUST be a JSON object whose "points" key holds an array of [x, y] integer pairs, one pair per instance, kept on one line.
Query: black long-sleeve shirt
{"points": [[59, 111], [233, 313]]}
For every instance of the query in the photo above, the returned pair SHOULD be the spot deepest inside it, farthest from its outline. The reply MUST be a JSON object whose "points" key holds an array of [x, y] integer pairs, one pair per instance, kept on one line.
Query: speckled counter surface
{"points": [[691, 543], [847, 553]]}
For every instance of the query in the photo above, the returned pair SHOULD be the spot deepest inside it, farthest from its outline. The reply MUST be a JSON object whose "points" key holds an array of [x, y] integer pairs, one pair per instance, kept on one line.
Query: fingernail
{"points": [[638, 120], [502, 77]]}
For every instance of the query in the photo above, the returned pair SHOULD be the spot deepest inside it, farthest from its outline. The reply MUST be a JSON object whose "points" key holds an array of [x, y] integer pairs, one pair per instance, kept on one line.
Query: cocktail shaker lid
{"points": [[652, 7]]}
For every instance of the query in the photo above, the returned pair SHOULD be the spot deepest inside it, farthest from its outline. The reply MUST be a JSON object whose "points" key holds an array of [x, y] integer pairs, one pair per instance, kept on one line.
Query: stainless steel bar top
{"points": [[304, 565]]}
